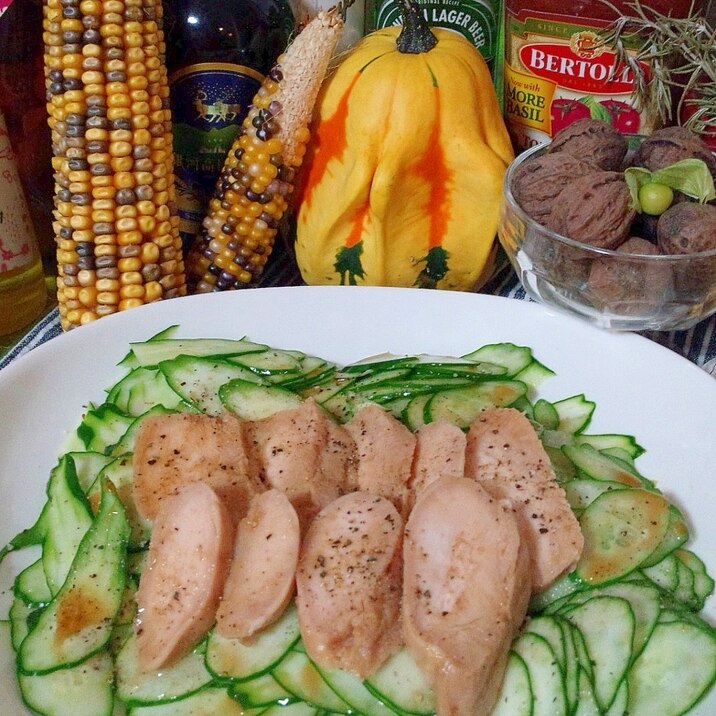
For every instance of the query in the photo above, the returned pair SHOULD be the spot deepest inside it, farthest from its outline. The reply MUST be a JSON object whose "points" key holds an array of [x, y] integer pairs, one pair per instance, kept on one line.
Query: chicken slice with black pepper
{"points": [[466, 589], [349, 584], [506, 456]]}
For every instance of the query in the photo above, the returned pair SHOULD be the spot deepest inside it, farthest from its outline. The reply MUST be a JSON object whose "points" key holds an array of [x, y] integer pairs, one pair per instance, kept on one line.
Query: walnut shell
{"points": [[630, 287], [594, 209], [687, 228], [539, 180], [595, 141], [670, 145]]}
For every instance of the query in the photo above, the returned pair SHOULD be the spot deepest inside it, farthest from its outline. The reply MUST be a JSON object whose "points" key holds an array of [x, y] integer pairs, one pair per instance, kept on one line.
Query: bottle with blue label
{"points": [[218, 52]]}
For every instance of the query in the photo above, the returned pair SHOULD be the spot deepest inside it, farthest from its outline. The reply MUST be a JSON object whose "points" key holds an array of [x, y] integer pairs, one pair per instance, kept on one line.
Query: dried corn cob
{"points": [[107, 100], [253, 190]]}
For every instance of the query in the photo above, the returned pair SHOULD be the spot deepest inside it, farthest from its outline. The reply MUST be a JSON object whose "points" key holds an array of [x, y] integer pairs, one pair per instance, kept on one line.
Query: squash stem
{"points": [[416, 35]]}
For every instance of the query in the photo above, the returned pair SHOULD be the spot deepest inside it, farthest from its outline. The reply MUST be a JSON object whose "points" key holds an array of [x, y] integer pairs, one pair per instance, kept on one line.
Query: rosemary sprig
{"points": [[681, 53]]}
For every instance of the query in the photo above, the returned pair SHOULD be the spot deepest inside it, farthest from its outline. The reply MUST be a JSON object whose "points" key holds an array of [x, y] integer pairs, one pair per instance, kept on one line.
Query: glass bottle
{"points": [[218, 52], [23, 293]]}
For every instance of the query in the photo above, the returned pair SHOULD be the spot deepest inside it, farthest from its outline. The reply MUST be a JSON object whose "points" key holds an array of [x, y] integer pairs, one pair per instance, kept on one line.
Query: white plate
{"points": [[640, 388]]}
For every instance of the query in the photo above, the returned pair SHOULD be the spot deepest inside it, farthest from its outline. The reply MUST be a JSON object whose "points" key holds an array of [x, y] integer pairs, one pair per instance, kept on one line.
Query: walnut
{"points": [[594, 209], [539, 180], [630, 286], [688, 228], [670, 145], [592, 140]]}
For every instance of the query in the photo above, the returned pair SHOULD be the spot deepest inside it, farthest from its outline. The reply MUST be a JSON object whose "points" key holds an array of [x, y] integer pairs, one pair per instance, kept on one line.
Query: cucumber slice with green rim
{"points": [[586, 701], [621, 529], [548, 690], [31, 586], [230, 659], [664, 573], [297, 674], [546, 414], [19, 616], [607, 624], [611, 440], [354, 692], [263, 690], [77, 623], [535, 374], [155, 351], [571, 663], [548, 628], [555, 594], [197, 380], [461, 406], [170, 684], [103, 426], [272, 363], [402, 685], [583, 491], [676, 534], [297, 709], [84, 690], [67, 519], [142, 389], [250, 401], [676, 668], [87, 466], [448, 369], [703, 582], [413, 414], [515, 698], [379, 366], [620, 705], [210, 701], [127, 442], [574, 413], [508, 355], [598, 466]]}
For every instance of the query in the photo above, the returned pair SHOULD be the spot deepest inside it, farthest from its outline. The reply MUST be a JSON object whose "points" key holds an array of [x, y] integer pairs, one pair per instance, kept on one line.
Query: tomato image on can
{"points": [[558, 69]]}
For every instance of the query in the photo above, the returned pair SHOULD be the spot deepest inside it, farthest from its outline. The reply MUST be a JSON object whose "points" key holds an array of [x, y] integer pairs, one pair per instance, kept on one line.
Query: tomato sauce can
{"points": [[558, 70]]}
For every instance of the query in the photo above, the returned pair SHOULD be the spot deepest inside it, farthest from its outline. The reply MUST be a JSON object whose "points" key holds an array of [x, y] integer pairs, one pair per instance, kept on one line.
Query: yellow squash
{"points": [[404, 177]]}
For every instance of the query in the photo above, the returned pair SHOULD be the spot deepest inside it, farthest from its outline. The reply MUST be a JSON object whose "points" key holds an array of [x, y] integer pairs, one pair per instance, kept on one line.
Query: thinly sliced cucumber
{"points": [[121, 473], [553, 596], [548, 690], [297, 674], [564, 469], [378, 366], [645, 602], [230, 659], [210, 701], [31, 585], [174, 683], [462, 405], [703, 582], [546, 414], [508, 355], [515, 698], [82, 690], [272, 363], [152, 353], [353, 691], [142, 389], [250, 401], [674, 671], [468, 369], [19, 616], [575, 413], [297, 709], [413, 414], [87, 466], [571, 663], [103, 426], [548, 628], [620, 705], [67, 519], [606, 441], [77, 623], [587, 701], [621, 529], [535, 374], [263, 690], [402, 685], [197, 380], [597, 466], [583, 491], [664, 573], [676, 534], [607, 625]]}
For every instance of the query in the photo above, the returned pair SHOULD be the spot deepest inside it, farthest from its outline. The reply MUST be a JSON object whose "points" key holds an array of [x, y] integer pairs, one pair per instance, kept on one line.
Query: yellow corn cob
{"points": [[108, 108], [253, 190]]}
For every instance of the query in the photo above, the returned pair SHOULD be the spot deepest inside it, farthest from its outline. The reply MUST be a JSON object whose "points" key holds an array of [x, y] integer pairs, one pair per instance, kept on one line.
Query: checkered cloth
{"points": [[698, 344]]}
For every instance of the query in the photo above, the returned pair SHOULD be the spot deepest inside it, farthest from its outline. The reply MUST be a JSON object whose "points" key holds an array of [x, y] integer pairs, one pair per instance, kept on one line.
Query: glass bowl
{"points": [[615, 290]]}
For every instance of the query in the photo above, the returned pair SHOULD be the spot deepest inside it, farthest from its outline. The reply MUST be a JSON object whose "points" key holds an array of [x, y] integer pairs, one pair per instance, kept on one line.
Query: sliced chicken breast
{"points": [[349, 584], [176, 449], [186, 567], [385, 449], [262, 578], [506, 456], [466, 588], [304, 454], [440, 452]]}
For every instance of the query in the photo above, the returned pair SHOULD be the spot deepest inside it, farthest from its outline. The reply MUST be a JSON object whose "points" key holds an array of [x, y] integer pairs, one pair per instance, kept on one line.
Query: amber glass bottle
{"points": [[217, 54]]}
